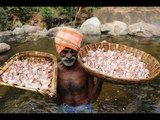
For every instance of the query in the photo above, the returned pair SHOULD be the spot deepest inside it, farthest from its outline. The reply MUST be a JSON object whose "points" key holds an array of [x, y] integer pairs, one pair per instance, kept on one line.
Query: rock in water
{"points": [[4, 47]]}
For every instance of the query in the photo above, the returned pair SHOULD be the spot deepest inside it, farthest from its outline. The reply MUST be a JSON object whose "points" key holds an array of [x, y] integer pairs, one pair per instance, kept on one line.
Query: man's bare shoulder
{"points": [[83, 70]]}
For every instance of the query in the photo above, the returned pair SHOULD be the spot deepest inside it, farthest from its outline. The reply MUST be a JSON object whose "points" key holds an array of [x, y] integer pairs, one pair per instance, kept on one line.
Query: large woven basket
{"points": [[152, 63], [34, 54]]}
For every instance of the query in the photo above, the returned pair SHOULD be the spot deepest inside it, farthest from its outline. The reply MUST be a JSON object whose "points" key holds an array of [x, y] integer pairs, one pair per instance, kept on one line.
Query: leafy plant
{"points": [[91, 9], [46, 12], [66, 10], [4, 19], [26, 12]]}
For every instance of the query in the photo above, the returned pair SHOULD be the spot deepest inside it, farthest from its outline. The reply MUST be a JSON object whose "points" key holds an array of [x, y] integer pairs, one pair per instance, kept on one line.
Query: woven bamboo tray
{"points": [[152, 63], [36, 55]]}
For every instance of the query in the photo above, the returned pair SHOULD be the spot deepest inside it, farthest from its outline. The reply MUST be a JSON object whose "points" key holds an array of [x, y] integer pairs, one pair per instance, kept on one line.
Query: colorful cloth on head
{"points": [[68, 37]]}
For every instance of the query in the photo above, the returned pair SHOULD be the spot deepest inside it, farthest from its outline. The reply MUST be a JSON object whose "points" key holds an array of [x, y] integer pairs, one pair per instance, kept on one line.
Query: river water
{"points": [[139, 98]]}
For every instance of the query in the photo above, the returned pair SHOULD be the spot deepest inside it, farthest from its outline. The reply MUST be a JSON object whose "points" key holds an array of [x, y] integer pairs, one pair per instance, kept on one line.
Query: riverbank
{"points": [[115, 21]]}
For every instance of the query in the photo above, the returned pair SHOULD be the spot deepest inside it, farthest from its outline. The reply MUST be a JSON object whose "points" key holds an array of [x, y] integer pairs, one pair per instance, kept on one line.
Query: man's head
{"points": [[68, 41]]}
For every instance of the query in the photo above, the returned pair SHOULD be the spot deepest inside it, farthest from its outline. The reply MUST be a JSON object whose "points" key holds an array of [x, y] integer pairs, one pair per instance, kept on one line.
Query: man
{"points": [[76, 89]]}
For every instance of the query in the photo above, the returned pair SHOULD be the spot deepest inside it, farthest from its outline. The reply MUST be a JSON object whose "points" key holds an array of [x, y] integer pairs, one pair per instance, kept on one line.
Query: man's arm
{"points": [[94, 89]]}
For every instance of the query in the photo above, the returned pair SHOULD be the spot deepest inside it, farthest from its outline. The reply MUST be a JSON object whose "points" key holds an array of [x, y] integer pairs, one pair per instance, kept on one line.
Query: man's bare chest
{"points": [[72, 79], [74, 75]]}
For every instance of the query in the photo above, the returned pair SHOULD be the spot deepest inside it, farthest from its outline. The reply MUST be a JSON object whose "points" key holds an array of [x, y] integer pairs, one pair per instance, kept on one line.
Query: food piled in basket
{"points": [[31, 70], [116, 63], [28, 74]]}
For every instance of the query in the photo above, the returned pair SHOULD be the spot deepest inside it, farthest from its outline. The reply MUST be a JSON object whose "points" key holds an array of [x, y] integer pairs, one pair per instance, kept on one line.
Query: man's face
{"points": [[68, 57]]}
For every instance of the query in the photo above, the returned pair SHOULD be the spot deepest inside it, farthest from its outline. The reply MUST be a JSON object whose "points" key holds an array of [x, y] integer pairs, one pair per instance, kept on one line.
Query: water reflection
{"points": [[141, 98]]}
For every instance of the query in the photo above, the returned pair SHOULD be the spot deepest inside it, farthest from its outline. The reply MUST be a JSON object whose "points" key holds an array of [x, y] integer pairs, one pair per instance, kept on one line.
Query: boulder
{"points": [[4, 36], [31, 29], [144, 29], [38, 34], [6, 33], [91, 26], [114, 28], [129, 15], [52, 32], [4, 47], [26, 29], [18, 31]]}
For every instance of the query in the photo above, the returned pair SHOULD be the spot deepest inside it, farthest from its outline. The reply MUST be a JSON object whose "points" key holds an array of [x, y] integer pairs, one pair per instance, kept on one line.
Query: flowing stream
{"points": [[139, 98]]}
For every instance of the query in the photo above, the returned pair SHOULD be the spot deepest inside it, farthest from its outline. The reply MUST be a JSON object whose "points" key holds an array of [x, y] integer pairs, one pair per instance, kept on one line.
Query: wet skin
{"points": [[75, 86]]}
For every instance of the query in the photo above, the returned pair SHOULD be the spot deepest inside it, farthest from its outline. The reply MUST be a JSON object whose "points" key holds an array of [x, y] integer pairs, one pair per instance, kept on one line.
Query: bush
{"points": [[24, 13], [4, 19], [91, 9], [8, 14], [46, 12], [66, 10]]}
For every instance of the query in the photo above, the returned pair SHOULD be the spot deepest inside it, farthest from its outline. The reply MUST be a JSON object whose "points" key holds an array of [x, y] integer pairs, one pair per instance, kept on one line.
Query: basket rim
{"points": [[114, 79]]}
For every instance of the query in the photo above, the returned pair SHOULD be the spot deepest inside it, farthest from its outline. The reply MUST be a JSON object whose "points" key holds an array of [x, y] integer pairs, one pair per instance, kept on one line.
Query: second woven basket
{"points": [[152, 63]]}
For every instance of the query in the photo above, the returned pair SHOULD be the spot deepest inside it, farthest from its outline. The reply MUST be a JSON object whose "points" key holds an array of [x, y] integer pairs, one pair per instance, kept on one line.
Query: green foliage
{"points": [[10, 14], [46, 12], [91, 9], [7, 14], [3, 15], [24, 13], [4, 19], [66, 10]]}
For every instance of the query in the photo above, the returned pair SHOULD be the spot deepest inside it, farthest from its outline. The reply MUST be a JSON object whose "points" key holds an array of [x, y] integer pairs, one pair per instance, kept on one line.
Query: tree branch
{"points": [[74, 22]]}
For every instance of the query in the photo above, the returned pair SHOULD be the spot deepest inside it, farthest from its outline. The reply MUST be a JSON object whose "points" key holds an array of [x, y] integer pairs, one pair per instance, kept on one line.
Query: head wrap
{"points": [[68, 37]]}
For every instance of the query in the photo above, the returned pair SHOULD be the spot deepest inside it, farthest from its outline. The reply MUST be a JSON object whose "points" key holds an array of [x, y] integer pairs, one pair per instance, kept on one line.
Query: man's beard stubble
{"points": [[68, 62]]}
